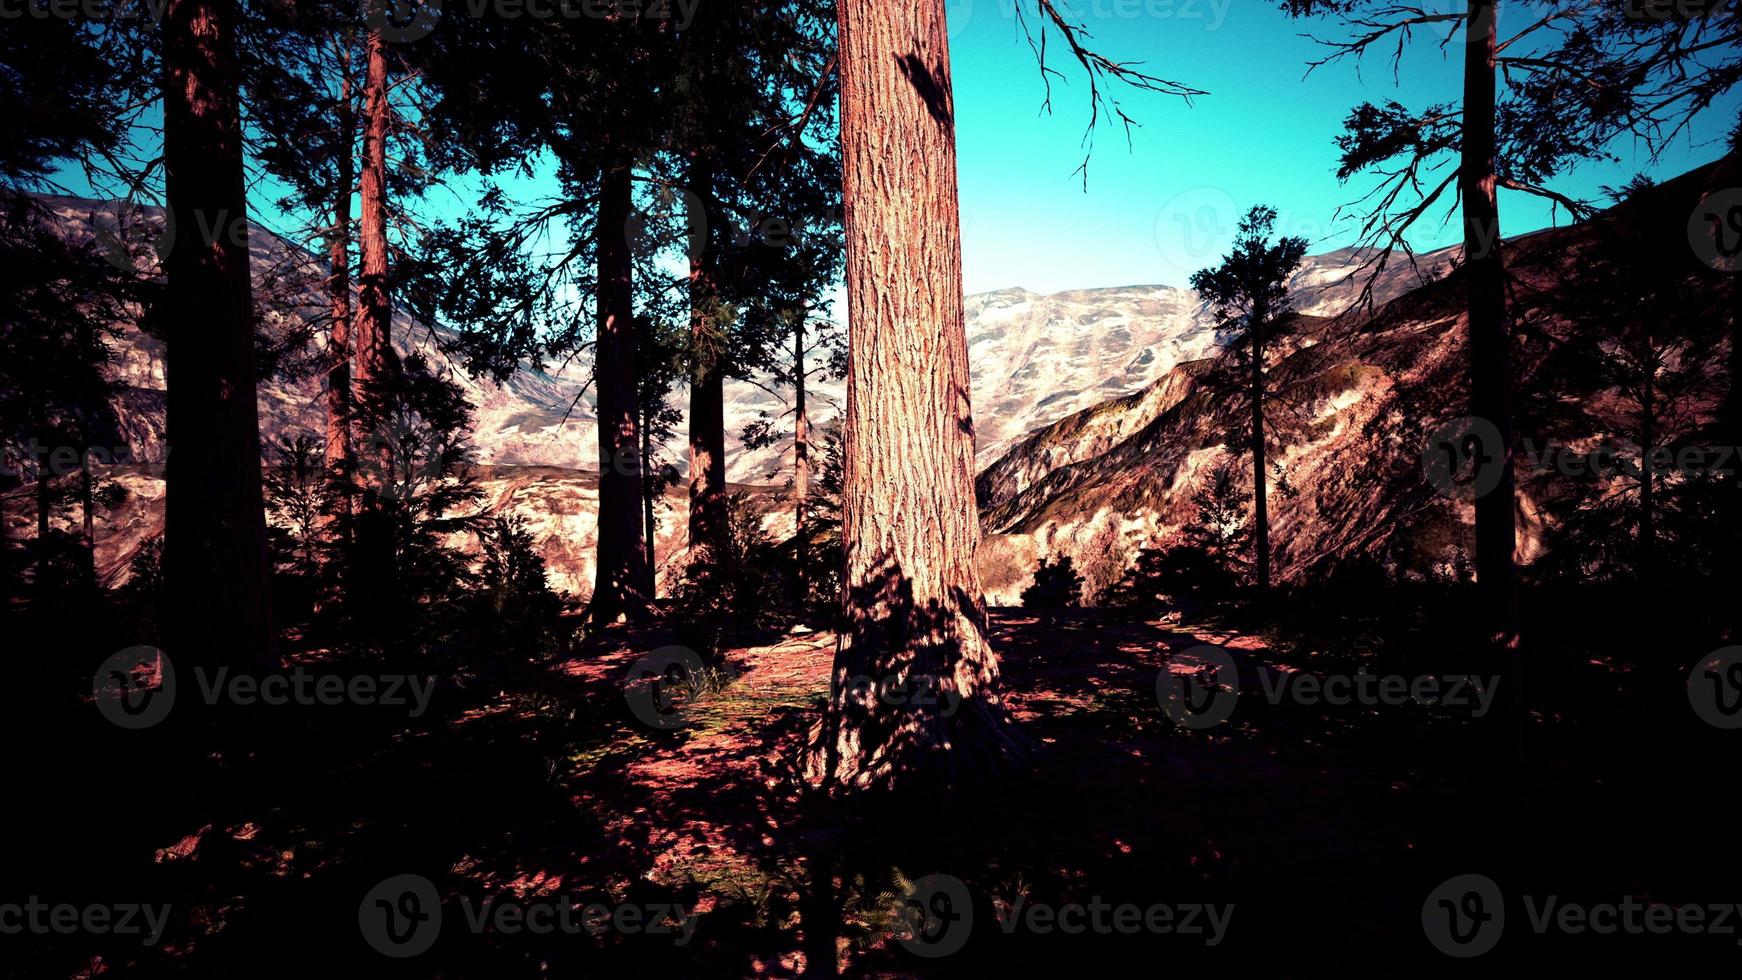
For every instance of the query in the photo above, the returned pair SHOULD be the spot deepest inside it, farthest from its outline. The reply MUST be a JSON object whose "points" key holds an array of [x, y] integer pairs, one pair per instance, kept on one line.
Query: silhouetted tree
{"points": [[1248, 294], [216, 565]]}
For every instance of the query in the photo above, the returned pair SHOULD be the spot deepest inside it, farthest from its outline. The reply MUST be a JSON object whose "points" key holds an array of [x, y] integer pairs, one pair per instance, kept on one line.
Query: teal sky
{"points": [[1165, 206], [1156, 212]]}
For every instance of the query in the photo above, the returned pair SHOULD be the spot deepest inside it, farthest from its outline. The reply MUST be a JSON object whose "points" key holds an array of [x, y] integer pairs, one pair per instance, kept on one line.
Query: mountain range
{"points": [[1093, 424]]}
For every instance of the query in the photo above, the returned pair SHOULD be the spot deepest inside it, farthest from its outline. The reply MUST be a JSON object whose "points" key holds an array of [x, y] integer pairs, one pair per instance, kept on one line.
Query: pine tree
{"points": [[1248, 294]]}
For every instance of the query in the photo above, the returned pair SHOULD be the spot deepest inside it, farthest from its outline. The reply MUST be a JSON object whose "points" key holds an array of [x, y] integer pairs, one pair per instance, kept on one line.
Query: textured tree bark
{"points": [[372, 332], [915, 619], [215, 558], [338, 402], [707, 379], [621, 571]]}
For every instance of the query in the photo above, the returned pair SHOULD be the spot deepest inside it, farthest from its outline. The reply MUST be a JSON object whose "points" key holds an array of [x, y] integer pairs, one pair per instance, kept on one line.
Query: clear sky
{"points": [[1166, 206], [1156, 212]]}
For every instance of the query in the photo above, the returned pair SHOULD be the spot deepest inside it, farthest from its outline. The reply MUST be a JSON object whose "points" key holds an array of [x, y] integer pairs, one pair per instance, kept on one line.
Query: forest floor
{"points": [[1299, 834]]}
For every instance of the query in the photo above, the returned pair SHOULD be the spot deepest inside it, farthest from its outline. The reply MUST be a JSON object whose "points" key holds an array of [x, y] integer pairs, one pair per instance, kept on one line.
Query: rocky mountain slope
{"points": [[1356, 398]]}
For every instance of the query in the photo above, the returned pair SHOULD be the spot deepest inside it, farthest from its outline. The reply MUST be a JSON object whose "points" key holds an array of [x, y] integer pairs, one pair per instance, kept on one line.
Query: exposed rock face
{"points": [[1356, 399]]}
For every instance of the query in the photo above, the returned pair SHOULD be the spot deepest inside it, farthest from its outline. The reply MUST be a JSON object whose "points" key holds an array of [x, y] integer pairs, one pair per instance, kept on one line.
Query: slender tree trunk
{"points": [[1733, 427], [651, 586], [372, 332], [1260, 498], [915, 616], [707, 380], [375, 585], [87, 513], [1490, 336], [620, 575], [1647, 479], [1491, 399], [44, 500], [801, 462], [216, 569], [338, 403]]}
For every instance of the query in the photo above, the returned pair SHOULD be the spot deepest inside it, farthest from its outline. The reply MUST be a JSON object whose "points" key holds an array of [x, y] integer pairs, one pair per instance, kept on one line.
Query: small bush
{"points": [[1056, 586]]}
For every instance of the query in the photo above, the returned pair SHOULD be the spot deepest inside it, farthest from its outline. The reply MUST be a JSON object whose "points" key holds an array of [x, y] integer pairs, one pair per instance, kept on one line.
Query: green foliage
{"points": [[1056, 586]]}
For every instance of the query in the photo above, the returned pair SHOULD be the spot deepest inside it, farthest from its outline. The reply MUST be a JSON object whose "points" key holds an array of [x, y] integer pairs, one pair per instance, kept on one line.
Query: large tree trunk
{"points": [[914, 613], [338, 402], [618, 582], [215, 559], [1260, 498], [707, 379], [1491, 388], [801, 461]]}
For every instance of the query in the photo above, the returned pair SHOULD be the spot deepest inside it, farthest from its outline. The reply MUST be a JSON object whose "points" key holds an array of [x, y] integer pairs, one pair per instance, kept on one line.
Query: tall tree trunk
{"points": [[1490, 336], [1491, 395], [1733, 427], [620, 574], [216, 568], [372, 331], [801, 462], [914, 613], [375, 583], [707, 378], [651, 585], [44, 500], [338, 403], [1647, 478], [1260, 498], [87, 514]]}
